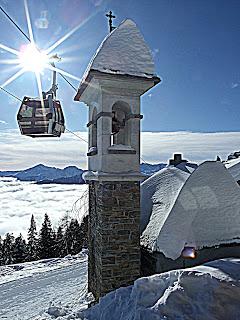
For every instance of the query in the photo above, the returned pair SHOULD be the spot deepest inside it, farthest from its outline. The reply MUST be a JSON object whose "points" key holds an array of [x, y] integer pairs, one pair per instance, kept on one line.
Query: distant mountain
{"points": [[70, 175], [150, 169], [64, 180], [8, 173], [44, 174]]}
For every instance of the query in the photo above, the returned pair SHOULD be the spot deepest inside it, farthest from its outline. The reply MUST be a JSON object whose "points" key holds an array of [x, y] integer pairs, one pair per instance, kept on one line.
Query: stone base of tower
{"points": [[114, 236]]}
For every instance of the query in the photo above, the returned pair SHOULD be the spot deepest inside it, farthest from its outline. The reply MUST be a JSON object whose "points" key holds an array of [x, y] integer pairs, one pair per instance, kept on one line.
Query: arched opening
{"points": [[120, 125]]}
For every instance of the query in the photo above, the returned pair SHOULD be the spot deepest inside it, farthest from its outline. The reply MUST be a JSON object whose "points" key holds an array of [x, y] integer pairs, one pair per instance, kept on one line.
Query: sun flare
{"points": [[32, 59]]}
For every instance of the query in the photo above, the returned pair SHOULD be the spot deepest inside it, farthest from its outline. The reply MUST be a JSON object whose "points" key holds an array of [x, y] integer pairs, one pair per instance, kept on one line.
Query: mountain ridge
{"points": [[43, 174]]}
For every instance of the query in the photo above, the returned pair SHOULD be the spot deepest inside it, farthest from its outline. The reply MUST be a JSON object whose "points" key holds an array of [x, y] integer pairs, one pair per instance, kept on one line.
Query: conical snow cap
{"points": [[124, 51]]}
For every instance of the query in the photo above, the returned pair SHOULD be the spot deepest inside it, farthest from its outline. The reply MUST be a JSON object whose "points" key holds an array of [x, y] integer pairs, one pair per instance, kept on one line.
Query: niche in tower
{"points": [[121, 131]]}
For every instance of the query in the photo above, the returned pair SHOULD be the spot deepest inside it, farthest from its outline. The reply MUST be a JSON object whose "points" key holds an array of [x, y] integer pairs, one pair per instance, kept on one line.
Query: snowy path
{"points": [[26, 298]]}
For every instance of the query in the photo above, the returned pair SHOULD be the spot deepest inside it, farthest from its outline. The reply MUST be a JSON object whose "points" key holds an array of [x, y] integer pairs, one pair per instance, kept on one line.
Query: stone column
{"points": [[114, 235]]}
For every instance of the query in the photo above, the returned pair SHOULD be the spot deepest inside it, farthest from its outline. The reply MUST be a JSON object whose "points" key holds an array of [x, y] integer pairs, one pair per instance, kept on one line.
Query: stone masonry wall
{"points": [[114, 235]]}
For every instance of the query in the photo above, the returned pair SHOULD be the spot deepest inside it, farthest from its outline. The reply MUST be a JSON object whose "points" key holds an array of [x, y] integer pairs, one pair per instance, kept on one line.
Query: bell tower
{"points": [[120, 72]]}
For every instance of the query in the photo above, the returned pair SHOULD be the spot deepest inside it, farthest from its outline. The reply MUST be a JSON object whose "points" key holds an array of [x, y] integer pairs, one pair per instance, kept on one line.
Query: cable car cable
{"points": [[65, 128], [143, 160], [10, 94], [7, 15], [17, 98], [15, 24], [68, 82], [76, 135]]}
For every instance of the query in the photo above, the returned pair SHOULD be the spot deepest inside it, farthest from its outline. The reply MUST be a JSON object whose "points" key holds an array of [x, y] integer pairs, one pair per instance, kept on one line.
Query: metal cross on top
{"points": [[110, 16]]}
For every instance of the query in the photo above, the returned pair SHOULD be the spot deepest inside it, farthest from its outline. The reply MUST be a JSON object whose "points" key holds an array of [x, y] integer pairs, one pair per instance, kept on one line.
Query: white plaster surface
{"points": [[120, 176], [120, 147], [116, 163], [123, 52]]}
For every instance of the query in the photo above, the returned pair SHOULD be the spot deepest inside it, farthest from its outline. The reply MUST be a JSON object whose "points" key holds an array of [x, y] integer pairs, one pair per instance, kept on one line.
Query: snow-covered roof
{"points": [[124, 51], [205, 213], [233, 167], [187, 166], [159, 192]]}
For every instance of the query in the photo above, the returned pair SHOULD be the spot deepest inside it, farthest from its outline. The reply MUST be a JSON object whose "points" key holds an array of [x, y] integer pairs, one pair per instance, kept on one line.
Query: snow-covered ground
{"points": [[29, 288], [20, 199], [57, 289]]}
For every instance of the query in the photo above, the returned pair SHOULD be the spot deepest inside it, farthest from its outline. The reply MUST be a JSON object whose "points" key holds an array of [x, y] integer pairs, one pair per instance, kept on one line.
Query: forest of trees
{"points": [[69, 238]]}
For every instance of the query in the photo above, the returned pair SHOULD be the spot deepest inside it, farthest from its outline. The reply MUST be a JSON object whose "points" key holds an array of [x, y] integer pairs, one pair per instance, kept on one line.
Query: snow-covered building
{"points": [[233, 167], [199, 211]]}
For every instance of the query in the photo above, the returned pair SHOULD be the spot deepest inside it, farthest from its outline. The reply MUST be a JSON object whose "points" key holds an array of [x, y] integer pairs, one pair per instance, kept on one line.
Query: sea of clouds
{"points": [[20, 199]]}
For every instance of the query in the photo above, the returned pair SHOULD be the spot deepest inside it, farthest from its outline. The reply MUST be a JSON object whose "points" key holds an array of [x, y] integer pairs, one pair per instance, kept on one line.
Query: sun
{"points": [[32, 59]]}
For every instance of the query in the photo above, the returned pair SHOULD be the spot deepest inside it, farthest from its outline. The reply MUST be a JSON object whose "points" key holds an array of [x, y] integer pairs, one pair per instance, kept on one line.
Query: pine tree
{"points": [[32, 241], [54, 238], [74, 237], [1, 251], [68, 239], [64, 222], [60, 243], [77, 237], [84, 232], [19, 250], [8, 249], [46, 239]]}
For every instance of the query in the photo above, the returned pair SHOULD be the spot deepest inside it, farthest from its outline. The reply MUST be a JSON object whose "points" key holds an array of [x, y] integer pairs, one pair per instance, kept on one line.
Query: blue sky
{"points": [[195, 45]]}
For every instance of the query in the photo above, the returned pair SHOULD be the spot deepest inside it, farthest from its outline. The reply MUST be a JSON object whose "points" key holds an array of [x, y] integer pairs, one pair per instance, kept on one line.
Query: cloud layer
{"points": [[19, 200], [19, 152], [195, 146]]}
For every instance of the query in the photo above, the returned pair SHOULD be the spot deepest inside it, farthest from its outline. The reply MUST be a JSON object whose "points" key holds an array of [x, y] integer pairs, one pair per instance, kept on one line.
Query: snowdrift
{"points": [[207, 292]]}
